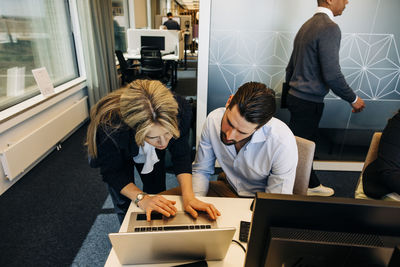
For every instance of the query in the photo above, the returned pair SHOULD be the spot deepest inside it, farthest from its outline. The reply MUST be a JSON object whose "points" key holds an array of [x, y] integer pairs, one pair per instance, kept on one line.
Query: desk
{"points": [[172, 39], [170, 57], [233, 211]]}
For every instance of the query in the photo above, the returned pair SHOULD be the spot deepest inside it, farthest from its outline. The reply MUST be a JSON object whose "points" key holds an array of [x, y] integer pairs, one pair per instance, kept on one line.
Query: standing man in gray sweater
{"points": [[313, 69]]}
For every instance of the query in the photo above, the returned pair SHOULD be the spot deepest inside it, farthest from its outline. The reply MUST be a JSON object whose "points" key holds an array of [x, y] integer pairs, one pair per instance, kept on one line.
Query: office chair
{"points": [[128, 72], [152, 64], [305, 150], [371, 156]]}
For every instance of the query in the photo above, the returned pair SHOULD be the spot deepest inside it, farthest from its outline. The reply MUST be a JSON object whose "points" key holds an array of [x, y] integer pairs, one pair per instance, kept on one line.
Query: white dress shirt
{"points": [[147, 155], [267, 163], [326, 11]]}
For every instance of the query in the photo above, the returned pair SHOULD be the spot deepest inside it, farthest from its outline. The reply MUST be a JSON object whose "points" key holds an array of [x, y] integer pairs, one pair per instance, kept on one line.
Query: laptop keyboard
{"points": [[172, 228]]}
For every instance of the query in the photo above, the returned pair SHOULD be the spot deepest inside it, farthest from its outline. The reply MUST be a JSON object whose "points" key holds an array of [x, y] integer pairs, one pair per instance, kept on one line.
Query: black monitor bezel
{"points": [[317, 213], [152, 44]]}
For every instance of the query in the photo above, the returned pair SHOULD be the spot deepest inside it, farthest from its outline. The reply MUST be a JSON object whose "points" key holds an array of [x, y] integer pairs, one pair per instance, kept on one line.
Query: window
{"points": [[34, 34], [121, 23]]}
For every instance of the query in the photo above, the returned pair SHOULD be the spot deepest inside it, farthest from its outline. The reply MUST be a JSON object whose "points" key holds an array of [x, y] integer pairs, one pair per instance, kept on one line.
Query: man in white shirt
{"points": [[258, 153]]}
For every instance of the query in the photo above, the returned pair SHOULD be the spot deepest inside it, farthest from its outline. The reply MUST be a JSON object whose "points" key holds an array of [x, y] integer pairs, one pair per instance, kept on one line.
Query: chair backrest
{"points": [[150, 57], [306, 149], [122, 62], [373, 149], [372, 154]]}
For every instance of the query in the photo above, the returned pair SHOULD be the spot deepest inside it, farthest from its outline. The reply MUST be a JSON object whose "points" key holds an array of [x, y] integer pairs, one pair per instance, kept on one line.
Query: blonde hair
{"points": [[139, 105]]}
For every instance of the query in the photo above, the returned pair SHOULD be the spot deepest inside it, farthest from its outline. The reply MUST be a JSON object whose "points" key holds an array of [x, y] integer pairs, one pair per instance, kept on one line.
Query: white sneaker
{"points": [[320, 190]]}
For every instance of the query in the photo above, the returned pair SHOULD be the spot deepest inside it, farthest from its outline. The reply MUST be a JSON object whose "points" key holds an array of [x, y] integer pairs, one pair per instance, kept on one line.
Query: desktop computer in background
{"points": [[293, 230], [157, 42]]}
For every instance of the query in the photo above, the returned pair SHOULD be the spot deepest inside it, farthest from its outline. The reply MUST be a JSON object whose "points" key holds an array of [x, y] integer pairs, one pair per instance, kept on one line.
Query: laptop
{"points": [[174, 239]]}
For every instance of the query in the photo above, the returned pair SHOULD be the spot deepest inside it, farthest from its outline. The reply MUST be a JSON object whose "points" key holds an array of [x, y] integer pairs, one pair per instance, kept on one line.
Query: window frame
{"points": [[23, 106]]}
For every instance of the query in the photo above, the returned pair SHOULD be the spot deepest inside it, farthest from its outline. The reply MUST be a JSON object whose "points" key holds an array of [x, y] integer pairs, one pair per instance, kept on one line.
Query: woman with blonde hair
{"points": [[132, 127]]}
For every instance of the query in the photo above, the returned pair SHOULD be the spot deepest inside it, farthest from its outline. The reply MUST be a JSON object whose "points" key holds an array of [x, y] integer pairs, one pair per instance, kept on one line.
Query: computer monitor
{"points": [[293, 230], [154, 41]]}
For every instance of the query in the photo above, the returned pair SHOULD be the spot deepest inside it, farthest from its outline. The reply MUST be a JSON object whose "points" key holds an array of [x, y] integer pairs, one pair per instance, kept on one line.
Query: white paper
{"points": [[42, 79], [15, 81]]}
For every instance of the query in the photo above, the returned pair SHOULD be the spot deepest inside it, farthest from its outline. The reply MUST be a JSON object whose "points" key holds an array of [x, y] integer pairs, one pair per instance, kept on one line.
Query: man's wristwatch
{"points": [[139, 197]]}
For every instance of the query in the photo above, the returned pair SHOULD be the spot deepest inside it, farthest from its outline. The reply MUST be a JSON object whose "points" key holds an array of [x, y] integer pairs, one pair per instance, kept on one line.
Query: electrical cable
{"points": [[237, 242]]}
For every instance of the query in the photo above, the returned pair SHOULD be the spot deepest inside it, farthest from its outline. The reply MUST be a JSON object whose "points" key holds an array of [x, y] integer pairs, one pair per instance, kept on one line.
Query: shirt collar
{"points": [[261, 134], [326, 11]]}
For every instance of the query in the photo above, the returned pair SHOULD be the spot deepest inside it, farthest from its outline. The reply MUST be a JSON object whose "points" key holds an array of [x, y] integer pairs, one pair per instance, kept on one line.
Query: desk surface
{"points": [[233, 211], [165, 57]]}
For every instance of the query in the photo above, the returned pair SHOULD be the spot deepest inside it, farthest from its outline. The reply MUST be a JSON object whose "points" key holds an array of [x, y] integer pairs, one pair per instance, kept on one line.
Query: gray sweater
{"points": [[314, 64]]}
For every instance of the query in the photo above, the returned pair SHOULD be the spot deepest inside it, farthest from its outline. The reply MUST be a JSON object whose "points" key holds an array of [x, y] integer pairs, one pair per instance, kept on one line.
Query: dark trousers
{"points": [[382, 176], [219, 188], [153, 183], [379, 179], [304, 122]]}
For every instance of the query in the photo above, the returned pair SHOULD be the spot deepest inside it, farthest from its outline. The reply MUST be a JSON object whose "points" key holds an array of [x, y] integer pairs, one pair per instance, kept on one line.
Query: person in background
{"points": [[132, 127], [119, 36], [313, 69], [171, 24], [257, 152], [382, 176]]}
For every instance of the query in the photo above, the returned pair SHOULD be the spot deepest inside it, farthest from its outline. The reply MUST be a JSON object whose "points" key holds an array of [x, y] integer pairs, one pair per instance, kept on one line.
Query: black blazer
{"points": [[382, 176], [117, 147]]}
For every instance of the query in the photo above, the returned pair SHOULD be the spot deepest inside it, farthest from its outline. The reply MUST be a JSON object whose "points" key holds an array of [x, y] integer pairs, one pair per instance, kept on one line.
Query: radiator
{"points": [[19, 156]]}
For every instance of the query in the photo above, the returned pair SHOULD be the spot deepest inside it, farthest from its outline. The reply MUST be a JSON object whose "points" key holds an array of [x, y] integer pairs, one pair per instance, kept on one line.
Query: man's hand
{"points": [[191, 204], [157, 203], [358, 106]]}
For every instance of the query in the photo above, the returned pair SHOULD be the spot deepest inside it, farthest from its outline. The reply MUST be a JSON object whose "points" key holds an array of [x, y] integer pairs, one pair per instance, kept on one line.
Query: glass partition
{"points": [[255, 40], [121, 23]]}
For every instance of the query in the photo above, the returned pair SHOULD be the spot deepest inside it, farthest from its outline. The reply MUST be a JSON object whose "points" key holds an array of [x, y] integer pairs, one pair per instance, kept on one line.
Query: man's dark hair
{"points": [[169, 14], [255, 101]]}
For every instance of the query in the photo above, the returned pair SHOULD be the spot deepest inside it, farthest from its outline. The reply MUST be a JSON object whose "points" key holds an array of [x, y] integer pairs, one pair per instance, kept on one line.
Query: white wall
{"points": [[15, 128]]}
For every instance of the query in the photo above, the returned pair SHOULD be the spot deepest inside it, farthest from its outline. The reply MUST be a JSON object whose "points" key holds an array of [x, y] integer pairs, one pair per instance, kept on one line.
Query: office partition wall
{"points": [[253, 40]]}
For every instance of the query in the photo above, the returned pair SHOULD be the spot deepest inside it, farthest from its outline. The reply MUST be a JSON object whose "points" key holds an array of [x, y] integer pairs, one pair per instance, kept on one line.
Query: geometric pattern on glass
{"points": [[370, 62], [371, 65]]}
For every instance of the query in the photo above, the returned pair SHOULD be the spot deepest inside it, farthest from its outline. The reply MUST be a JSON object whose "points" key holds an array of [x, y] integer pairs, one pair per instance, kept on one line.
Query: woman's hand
{"points": [[159, 204], [191, 204]]}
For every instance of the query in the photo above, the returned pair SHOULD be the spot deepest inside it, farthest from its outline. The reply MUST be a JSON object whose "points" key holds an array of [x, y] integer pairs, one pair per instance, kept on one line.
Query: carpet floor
{"points": [[46, 215]]}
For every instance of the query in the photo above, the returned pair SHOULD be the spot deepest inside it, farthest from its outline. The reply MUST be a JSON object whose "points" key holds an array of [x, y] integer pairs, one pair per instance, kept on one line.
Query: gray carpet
{"points": [[186, 87], [47, 214], [344, 183], [97, 246]]}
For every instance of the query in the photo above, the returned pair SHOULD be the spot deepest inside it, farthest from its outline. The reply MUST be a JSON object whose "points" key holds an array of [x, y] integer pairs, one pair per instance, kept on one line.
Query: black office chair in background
{"points": [[128, 71], [152, 65]]}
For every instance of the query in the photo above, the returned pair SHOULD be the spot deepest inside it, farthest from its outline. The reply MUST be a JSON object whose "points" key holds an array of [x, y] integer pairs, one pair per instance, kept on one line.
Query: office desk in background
{"points": [[173, 40], [172, 58], [169, 57], [233, 210]]}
